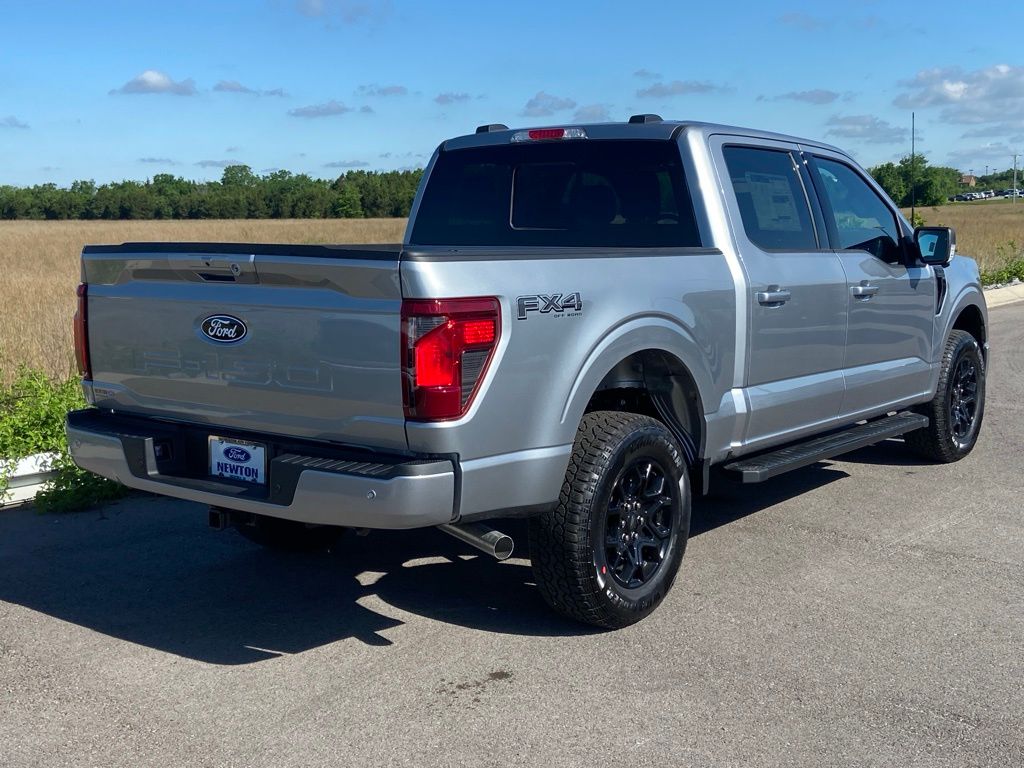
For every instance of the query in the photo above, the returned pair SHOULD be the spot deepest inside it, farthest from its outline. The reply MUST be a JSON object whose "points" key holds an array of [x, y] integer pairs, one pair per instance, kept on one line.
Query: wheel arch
{"points": [[655, 368], [971, 319]]}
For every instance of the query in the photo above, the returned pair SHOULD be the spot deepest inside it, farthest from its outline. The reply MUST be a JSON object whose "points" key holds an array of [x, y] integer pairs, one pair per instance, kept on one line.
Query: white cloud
{"points": [[592, 113], [868, 128], [348, 11], [214, 163], [154, 81], [327, 109], [802, 21], [544, 104], [677, 88], [383, 90], [233, 86], [646, 74], [996, 153], [813, 96], [346, 164], [12, 122], [450, 97], [970, 97], [157, 161]]}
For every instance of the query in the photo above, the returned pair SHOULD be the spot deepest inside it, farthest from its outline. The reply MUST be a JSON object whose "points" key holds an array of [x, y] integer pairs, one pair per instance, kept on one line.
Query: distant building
{"points": [[968, 181]]}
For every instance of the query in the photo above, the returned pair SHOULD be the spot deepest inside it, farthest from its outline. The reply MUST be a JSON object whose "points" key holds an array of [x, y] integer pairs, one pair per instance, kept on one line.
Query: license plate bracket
{"points": [[238, 460]]}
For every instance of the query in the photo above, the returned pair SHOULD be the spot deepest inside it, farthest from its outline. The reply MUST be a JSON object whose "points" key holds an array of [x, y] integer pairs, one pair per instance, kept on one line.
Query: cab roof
{"points": [[652, 129]]}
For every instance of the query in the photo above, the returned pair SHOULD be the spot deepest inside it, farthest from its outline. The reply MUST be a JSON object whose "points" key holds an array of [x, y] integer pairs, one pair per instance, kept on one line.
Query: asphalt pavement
{"points": [[861, 612]]}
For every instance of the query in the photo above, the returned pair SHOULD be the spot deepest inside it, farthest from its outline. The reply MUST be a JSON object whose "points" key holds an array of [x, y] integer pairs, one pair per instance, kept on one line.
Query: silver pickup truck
{"points": [[585, 325]]}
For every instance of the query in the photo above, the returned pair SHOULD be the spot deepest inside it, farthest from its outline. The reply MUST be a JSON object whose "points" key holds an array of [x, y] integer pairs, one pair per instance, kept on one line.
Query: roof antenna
{"points": [[913, 182]]}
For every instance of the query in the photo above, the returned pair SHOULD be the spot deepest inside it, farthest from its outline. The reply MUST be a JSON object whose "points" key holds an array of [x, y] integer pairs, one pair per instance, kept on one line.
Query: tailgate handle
{"points": [[225, 268], [216, 277]]}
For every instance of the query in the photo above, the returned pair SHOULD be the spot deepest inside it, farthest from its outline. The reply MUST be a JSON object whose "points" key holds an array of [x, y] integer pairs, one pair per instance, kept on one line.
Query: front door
{"points": [[891, 305]]}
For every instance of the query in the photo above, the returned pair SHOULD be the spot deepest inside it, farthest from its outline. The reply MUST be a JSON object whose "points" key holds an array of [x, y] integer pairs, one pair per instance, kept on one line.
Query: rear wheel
{"points": [[958, 407], [288, 535], [608, 553]]}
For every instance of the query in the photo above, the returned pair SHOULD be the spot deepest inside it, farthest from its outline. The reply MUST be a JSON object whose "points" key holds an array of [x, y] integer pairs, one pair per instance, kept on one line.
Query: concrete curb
{"points": [[1008, 294], [28, 477]]}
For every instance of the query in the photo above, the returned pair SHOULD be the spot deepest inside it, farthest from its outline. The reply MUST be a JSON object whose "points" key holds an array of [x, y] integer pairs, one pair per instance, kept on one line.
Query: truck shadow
{"points": [[148, 572]]}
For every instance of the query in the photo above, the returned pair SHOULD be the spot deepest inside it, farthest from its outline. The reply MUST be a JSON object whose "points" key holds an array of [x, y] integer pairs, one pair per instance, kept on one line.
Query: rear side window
{"points": [[587, 193], [771, 199]]}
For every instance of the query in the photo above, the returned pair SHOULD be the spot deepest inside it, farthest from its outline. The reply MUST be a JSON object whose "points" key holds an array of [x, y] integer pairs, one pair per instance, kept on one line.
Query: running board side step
{"points": [[757, 469]]}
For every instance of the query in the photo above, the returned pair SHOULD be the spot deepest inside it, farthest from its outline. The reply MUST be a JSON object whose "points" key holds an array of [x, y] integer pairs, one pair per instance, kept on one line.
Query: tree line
{"points": [[240, 194], [915, 180]]}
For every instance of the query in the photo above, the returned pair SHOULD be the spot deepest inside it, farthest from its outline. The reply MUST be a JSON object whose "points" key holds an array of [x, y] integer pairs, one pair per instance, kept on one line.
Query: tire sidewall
{"points": [[966, 348], [631, 605]]}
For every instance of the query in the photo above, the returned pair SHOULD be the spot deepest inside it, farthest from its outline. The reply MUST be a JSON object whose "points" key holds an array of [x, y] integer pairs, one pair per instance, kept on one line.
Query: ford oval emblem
{"points": [[234, 453], [224, 329]]}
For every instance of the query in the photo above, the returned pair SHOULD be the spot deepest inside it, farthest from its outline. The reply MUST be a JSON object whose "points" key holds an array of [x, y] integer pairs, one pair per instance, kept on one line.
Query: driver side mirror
{"points": [[936, 245]]}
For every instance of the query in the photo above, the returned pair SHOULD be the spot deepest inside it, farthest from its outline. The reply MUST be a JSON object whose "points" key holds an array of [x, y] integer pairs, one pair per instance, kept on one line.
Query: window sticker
{"points": [[772, 197]]}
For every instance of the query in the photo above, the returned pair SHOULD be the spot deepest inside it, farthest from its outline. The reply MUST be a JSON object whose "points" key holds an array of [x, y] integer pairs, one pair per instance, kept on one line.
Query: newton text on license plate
{"points": [[238, 460]]}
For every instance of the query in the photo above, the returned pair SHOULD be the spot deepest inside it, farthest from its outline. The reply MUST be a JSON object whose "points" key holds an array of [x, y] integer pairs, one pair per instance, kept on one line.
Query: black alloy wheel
{"points": [[638, 527], [963, 400], [956, 412]]}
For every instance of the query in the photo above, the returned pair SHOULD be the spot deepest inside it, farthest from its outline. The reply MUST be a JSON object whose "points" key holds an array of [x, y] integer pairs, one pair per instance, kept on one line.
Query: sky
{"points": [[125, 90]]}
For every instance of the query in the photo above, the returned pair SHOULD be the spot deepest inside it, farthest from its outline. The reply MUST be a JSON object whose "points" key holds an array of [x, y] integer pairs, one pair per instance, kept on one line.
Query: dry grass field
{"points": [[39, 262], [39, 270], [991, 231]]}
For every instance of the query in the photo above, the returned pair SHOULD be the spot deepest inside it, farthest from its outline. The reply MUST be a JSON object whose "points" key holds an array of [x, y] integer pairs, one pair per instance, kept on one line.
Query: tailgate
{"points": [[298, 341]]}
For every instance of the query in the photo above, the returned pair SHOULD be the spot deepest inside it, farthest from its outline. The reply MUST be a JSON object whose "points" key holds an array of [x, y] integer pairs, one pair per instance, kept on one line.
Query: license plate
{"points": [[238, 460]]}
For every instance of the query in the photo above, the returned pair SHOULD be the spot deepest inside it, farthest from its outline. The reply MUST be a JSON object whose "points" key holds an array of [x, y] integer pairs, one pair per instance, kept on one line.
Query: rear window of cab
{"points": [[571, 193]]}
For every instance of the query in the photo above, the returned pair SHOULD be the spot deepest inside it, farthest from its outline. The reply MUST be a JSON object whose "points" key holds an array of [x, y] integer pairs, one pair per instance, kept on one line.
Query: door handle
{"points": [[864, 291], [774, 297]]}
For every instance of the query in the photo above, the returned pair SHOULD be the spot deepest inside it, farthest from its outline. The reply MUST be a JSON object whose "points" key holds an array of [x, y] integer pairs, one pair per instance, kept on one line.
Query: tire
{"points": [[956, 411], [626, 498], [288, 535]]}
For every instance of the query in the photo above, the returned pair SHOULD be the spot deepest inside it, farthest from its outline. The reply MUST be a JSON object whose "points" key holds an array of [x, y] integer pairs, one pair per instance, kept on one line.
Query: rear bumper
{"points": [[348, 489]]}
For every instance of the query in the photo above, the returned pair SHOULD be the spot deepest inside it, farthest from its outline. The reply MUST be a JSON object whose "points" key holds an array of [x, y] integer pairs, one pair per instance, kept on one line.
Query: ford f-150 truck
{"points": [[584, 325]]}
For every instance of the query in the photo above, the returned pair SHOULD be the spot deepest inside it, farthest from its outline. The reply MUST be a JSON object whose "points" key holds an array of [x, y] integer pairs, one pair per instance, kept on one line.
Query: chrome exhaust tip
{"points": [[495, 543]]}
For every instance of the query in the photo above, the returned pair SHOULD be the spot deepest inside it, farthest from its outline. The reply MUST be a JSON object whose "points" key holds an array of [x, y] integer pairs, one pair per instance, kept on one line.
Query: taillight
{"points": [[447, 345], [82, 333]]}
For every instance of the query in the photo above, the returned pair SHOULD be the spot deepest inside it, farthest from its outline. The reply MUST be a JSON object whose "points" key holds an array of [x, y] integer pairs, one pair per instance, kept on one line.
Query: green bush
{"points": [[1013, 265], [32, 412], [1005, 274]]}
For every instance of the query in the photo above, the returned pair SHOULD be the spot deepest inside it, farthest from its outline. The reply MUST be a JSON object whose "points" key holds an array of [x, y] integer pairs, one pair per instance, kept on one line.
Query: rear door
{"points": [[891, 305], [797, 289], [299, 341]]}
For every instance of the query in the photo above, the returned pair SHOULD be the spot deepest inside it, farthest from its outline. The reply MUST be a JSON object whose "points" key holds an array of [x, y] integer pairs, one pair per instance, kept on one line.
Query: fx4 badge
{"points": [[562, 305]]}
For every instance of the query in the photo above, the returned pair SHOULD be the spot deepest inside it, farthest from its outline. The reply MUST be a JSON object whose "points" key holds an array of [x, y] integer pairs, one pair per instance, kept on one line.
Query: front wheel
{"points": [[956, 411], [609, 552]]}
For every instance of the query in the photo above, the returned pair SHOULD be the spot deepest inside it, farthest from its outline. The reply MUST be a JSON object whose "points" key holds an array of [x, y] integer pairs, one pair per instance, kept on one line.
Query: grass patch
{"points": [[32, 411]]}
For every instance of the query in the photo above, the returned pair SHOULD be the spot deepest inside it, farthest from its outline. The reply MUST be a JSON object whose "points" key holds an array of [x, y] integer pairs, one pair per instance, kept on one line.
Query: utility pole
{"points": [[1013, 197], [913, 180]]}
